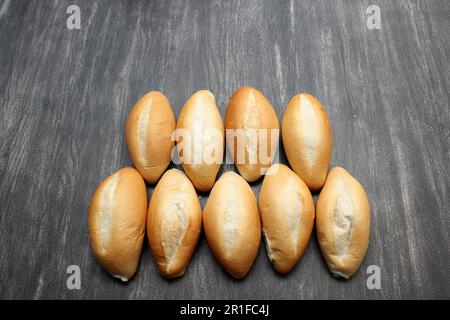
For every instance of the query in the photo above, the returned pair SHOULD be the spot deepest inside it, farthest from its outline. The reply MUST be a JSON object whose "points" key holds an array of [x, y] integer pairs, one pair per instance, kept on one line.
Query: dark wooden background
{"points": [[65, 95]]}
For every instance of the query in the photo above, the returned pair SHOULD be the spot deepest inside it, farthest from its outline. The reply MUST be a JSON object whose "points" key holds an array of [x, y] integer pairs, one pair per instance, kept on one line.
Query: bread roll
{"points": [[307, 139], [287, 213], [252, 132], [231, 223], [174, 223], [200, 139], [148, 133], [116, 222], [343, 223]]}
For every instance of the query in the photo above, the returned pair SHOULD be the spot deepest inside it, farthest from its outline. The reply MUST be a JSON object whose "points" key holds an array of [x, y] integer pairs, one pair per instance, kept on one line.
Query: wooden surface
{"points": [[65, 95]]}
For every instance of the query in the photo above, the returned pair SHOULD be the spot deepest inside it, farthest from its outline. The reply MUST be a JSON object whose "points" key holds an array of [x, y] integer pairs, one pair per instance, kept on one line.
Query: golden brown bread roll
{"points": [[287, 213], [232, 225], [200, 139], [252, 132], [174, 223], [148, 131], [343, 223], [307, 139], [116, 222]]}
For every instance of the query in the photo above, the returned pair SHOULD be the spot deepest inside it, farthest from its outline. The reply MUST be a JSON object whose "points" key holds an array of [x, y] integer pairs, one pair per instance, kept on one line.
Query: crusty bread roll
{"points": [[174, 223], [232, 225], [200, 139], [343, 223], [148, 131], [287, 213], [252, 132], [307, 139], [116, 222]]}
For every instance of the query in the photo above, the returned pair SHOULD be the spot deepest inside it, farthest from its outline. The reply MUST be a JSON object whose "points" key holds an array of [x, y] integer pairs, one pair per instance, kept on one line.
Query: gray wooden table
{"points": [[65, 95]]}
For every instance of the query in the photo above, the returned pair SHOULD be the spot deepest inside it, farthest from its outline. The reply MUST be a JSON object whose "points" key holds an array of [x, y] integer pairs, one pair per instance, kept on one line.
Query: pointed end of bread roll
{"points": [[120, 277]]}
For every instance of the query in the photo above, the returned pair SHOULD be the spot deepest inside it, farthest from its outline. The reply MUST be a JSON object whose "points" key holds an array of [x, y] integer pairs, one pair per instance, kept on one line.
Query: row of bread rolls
{"points": [[232, 217], [306, 133], [150, 134]]}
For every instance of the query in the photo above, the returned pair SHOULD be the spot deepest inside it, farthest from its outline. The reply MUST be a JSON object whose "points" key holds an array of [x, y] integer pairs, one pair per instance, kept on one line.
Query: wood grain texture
{"points": [[65, 95]]}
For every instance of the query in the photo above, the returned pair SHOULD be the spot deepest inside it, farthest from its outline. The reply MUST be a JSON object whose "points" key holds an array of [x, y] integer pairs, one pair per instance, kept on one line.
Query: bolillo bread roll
{"points": [[116, 222], [174, 223], [343, 223], [148, 131], [252, 132], [287, 213], [307, 139], [200, 139], [232, 225]]}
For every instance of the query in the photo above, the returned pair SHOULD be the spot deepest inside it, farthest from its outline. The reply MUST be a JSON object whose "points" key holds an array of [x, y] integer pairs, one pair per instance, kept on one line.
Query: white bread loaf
{"points": [[200, 139], [343, 223], [287, 213], [307, 139], [116, 222], [232, 225], [174, 223], [248, 111], [148, 131]]}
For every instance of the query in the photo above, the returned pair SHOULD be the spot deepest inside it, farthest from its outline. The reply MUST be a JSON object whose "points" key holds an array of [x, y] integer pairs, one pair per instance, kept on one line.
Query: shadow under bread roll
{"points": [[343, 223], [307, 139], [252, 132], [200, 139], [232, 225], [174, 223], [116, 222], [148, 132], [287, 213]]}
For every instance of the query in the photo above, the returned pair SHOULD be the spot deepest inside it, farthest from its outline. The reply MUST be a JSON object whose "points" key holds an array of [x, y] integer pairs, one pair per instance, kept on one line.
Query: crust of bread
{"points": [[249, 109], [148, 133], [307, 139], [116, 222], [174, 223], [199, 117], [287, 214], [343, 223], [232, 224]]}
